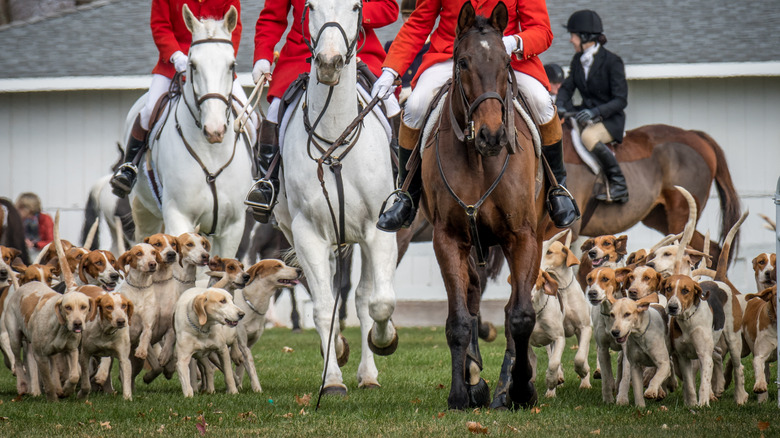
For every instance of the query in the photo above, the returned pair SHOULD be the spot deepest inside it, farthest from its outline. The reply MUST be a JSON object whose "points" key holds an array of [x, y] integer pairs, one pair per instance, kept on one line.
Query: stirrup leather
{"points": [[260, 205]]}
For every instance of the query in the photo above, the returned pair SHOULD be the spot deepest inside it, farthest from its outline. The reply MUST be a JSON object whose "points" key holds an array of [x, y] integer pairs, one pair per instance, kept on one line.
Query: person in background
{"points": [[555, 76], [173, 42], [600, 77], [38, 226], [407, 7]]}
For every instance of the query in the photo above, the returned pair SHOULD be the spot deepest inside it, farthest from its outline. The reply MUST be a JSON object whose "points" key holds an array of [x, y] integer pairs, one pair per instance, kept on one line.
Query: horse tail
{"points": [[495, 262], [91, 214], [730, 208]]}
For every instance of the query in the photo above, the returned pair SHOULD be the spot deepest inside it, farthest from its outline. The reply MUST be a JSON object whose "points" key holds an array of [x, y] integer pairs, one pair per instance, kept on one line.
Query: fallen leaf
{"points": [[512, 428], [536, 410], [440, 386], [201, 425], [663, 408], [763, 425], [595, 432], [18, 398], [476, 428], [287, 349], [288, 415], [574, 347], [543, 405], [303, 412], [577, 408], [87, 402], [664, 426], [416, 401], [58, 426], [246, 415], [719, 418], [218, 412], [304, 400], [440, 415], [105, 425], [161, 428]]}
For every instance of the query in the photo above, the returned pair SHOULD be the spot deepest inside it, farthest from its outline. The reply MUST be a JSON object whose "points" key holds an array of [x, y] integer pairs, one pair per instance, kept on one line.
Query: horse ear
{"points": [[499, 17], [231, 20], [189, 18], [466, 18]]}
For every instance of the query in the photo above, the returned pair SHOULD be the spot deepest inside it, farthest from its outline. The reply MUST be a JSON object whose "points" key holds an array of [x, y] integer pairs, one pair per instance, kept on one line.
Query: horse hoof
{"points": [[487, 332], [149, 378], [371, 386], [335, 390], [597, 375], [522, 401], [383, 351], [479, 394], [499, 403]]}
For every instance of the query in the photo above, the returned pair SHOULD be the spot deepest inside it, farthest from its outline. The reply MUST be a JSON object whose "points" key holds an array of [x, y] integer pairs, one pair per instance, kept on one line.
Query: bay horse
{"points": [[202, 165], [304, 213], [655, 159], [513, 215]]}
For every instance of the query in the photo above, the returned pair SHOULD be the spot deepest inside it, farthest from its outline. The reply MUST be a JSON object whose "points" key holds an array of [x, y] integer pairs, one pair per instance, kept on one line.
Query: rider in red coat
{"points": [[172, 39], [271, 25], [527, 35]]}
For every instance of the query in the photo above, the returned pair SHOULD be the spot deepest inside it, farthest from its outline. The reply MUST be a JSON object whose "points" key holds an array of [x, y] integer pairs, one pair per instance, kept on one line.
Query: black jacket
{"points": [[605, 89]]}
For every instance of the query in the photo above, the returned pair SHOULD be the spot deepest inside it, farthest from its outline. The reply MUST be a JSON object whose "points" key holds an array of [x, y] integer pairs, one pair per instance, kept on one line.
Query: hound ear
{"points": [[206, 243], [179, 246], [54, 265], [642, 306], [130, 309], [189, 18], [587, 245], [158, 258], [662, 287], [755, 263], [93, 308], [199, 305], [466, 19], [14, 252], [621, 245], [622, 274], [701, 293], [147, 238], [82, 274], [216, 264], [499, 17], [18, 265], [123, 261], [550, 285], [58, 311], [571, 259], [230, 20]]}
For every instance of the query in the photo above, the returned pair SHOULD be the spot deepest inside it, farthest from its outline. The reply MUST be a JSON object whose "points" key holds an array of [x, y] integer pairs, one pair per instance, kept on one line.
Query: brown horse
{"points": [[509, 216], [655, 158]]}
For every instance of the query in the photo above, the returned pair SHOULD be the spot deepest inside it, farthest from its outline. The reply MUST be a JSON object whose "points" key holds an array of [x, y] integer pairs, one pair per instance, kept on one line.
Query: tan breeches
{"points": [[593, 134]]}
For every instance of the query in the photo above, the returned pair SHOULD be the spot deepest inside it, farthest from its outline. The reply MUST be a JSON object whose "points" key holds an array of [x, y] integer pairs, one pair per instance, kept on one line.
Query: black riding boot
{"points": [[124, 178], [404, 209], [262, 195], [616, 182], [560, 204]]}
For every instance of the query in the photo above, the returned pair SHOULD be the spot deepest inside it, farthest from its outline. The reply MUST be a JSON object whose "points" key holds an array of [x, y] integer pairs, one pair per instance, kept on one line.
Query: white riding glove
{"points": [[511, 44], [384, 85], [262, 68], [179, 61]]}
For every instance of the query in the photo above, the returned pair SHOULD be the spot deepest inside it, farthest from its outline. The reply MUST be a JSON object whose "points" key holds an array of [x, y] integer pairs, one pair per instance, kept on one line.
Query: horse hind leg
{"points": [[380, 248]]}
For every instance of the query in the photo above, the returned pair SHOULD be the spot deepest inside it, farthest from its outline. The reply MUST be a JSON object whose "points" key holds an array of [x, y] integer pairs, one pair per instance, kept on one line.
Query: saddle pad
{"points": [[583, 152], [365, 97]]}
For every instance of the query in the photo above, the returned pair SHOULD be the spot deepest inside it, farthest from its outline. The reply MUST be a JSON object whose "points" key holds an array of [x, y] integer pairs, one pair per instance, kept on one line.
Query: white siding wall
{"points": [[57, 143]]}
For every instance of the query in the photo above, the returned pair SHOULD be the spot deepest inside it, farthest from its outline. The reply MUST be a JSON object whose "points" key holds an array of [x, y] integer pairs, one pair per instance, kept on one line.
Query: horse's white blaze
{"points": [[303, 212], [186, 196]]}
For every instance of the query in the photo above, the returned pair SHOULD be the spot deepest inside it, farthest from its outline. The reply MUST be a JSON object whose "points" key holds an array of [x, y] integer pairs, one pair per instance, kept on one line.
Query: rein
{"points": [[211, 177]]}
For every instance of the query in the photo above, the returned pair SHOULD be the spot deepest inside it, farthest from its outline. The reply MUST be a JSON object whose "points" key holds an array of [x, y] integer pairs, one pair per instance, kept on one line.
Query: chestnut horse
{"points": [[509, 216], [654, 159]]}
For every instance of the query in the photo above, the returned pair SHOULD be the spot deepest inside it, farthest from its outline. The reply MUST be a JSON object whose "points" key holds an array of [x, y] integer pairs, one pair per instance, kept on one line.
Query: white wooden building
{"points": [[67, 81]]}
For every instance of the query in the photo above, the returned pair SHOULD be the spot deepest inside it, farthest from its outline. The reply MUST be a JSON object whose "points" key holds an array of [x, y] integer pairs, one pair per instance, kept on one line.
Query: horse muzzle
{"points": [[490, 143], [215, 134], [329, 68]]}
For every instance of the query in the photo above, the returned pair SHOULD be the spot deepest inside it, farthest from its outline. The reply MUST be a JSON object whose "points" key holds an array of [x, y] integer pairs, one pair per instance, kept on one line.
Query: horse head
{"points": [[210, 72], [481, 75], [337, 25]]}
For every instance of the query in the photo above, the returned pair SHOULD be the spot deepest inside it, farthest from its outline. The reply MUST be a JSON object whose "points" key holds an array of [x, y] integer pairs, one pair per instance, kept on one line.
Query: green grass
{"points": [[411, 402]]}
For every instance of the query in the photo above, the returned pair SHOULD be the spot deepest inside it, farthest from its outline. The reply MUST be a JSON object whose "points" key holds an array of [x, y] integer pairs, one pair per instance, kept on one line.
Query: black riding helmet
{"points": [[407, 6], [586, 23], [554, 73]]}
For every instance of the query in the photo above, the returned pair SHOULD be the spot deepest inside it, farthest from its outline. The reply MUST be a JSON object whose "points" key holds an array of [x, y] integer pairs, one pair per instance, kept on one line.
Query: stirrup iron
{"points": [[262, 206]]}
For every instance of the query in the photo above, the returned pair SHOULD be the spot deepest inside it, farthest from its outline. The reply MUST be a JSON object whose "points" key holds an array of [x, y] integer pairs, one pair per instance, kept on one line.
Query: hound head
{"points": [[141, 257], [73, 310], [274, 273], [682, 293], [166, 245], [99, 267], [605, 251], [113, 308], [216, 305]]}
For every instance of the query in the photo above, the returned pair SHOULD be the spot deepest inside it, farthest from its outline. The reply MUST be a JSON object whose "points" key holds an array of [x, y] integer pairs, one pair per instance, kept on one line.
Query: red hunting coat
{"points": [[171, 34], [527, 18], [292, 60]]}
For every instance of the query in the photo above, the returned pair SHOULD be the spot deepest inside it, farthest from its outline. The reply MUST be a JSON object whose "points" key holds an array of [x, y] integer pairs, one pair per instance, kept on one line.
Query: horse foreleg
{"points": [[226, 242], [367, 373], [453, 261], [146, 221], [381, 250], [523, 257], [314, 257], [479, 393]]}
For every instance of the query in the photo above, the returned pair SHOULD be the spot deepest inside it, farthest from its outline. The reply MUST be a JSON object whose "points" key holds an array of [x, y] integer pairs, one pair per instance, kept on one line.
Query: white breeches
{"points": [[160, 85], [434, 77], [272, 115]]}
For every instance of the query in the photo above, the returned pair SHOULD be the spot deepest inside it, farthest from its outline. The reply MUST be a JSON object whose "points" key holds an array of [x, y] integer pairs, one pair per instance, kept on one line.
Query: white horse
{"points": [[206, 123], [303, 212]]}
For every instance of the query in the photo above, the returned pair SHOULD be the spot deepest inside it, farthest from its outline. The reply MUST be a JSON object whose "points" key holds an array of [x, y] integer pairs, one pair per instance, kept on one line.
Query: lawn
{"points": [[411, 402]]}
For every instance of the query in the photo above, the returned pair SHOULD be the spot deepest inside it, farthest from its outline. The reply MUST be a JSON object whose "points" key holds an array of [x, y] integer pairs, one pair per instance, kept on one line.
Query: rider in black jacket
{"points": [[600, 77]]}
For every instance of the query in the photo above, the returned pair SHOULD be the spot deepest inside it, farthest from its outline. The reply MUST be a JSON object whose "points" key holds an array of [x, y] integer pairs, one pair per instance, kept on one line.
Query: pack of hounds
{"points": [[664, 310], [66, 317]]}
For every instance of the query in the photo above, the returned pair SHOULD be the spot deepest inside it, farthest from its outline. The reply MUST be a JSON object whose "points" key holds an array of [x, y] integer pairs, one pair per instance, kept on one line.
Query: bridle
{"points": [[200, 99], [312, 43]]}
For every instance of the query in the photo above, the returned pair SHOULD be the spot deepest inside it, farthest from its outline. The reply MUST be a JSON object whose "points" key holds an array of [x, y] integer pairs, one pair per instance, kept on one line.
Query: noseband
{"points": [[314, 42], [200, 99]]}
